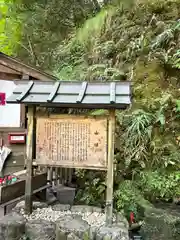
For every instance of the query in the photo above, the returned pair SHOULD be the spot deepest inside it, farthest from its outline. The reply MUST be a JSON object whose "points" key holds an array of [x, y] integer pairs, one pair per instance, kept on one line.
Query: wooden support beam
{"points": [[54, 92], [25, 77], [30, 156], [110, 167], [113, 92], [82, 92], [56, 176], [26, 91]]}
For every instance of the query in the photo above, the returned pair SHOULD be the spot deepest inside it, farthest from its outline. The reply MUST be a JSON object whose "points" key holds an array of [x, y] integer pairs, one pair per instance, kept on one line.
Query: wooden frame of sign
{"points": [[98, 135]]}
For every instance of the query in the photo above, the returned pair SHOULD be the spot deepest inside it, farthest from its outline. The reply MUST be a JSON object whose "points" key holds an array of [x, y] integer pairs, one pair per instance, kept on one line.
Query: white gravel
{"points": [[94, 219]]}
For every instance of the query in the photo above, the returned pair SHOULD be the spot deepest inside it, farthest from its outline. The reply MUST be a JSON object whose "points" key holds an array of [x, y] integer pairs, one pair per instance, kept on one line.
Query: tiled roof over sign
{"points": [[73, 94]]}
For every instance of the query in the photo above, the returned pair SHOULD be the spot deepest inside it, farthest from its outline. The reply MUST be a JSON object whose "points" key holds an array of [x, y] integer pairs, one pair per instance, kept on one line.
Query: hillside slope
{"points": [[137, 41]]}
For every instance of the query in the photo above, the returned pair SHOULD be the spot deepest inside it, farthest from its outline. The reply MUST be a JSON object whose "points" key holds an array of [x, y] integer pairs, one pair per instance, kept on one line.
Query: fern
{"points": [[163, 39], [137, 136], [176, 59]]}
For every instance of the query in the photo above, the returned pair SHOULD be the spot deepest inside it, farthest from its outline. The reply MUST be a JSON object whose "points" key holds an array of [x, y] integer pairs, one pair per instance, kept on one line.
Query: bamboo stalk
{"points": [[30, 156], [110, 167]]}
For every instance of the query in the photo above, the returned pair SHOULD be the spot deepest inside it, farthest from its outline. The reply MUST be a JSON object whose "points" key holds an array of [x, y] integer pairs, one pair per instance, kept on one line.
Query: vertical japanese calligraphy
{"points": [[72, 142]]}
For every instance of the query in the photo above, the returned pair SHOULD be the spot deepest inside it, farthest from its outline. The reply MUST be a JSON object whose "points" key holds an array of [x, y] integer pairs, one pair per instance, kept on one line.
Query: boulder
{"points": [[21, 205], [50, 196], [40, 229], [65, 195], [112, 233], [160, 225], [12, 226], [85, 209], [72, 236], [72, 225], [61, 207], [121, 220], [81, 208], [75, 228]]}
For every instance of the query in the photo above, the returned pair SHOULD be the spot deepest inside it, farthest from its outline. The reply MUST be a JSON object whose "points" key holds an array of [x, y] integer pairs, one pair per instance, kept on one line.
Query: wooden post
{"points": [[30, 156], [51, 175], [110, 167], [56, 177]]}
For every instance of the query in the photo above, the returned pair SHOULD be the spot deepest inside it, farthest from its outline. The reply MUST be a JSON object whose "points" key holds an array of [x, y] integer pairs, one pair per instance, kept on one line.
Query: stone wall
{"points": [[160, 224], [62, 222]]}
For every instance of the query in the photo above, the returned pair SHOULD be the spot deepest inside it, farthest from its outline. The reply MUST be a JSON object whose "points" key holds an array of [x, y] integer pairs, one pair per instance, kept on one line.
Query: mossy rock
{"points": [[160, 225], [148, 80], [144, 207]]}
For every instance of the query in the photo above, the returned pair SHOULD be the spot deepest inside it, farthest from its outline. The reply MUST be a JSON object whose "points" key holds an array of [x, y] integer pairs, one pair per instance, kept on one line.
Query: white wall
{"points": [[9, 113]]}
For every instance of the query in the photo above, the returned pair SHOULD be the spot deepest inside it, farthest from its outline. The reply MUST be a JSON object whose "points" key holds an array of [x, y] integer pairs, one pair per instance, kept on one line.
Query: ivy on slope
{"points": [[137, 41], [46, 24], [127, 40]]}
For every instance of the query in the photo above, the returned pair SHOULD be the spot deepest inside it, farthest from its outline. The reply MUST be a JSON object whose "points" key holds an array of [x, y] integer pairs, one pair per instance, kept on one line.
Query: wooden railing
{"points": [[57, 175]]}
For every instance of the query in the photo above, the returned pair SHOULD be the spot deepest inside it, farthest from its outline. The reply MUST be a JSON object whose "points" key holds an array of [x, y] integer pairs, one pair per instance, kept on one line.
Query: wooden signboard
{"points": [[72, 141]]}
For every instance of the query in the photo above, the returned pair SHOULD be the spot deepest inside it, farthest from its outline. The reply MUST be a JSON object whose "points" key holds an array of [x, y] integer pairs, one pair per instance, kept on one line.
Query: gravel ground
{"points": [[94, 219]]}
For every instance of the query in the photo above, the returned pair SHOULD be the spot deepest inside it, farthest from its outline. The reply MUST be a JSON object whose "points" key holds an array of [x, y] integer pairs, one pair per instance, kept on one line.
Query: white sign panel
{"points": [[9, 113], [17, 138]]}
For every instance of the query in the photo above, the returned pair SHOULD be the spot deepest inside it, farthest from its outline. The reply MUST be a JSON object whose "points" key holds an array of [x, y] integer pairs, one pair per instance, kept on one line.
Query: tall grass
{"points": [[92, 27]]}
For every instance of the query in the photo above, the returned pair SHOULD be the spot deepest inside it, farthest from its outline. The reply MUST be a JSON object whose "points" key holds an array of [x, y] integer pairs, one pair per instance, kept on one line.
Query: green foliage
{"points": [[176, 59], [178, 105], [148, 54], [92, 187], [127, 197], [92, 28], [134, 40], [137, 136], [159, 184], [46, 24], [10, 28]]}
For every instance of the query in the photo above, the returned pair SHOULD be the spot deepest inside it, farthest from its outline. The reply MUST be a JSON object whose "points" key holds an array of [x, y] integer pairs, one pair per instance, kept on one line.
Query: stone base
{"points": [[74, 227], [40, 229], [12, 226], [70, 224], [160, 225]]}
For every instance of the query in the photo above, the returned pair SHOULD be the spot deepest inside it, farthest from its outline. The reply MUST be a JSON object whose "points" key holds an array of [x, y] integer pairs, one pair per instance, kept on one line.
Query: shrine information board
{"points": [[72, 142]]}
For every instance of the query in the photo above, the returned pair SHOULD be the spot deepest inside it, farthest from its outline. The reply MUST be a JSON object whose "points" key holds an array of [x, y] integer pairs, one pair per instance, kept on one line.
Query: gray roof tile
{"points": [[73, 94]]}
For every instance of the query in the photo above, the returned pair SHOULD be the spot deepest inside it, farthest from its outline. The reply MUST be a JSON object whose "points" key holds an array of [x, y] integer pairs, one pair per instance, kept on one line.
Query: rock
{"points": [[160, 225], [23, 238], [21, 205], [160, 27], [112, 233], [50, 196], [72, 224], [53, 213], [81, 208], [121, 220], [176, 200], [72, 236], [97, 209], [143, 207], [61, 207], [65, 195], [93, 232], [12, 226], [40, 230], [39, 205]]}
